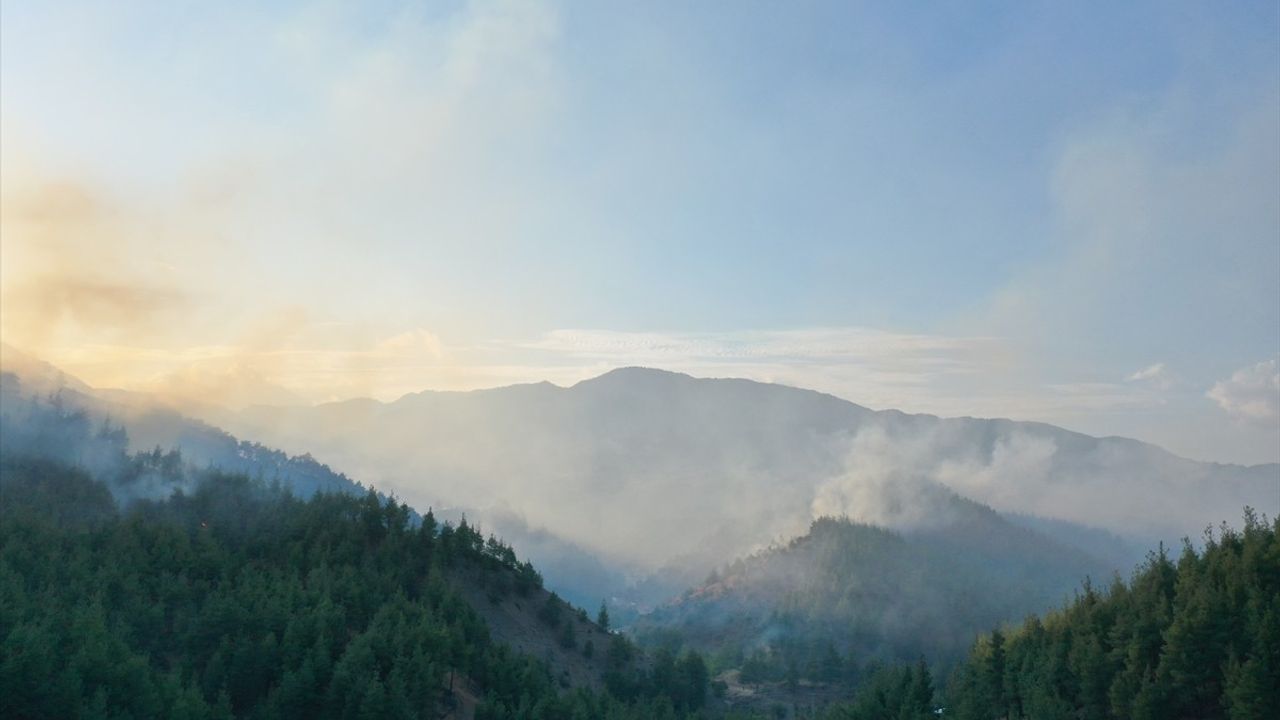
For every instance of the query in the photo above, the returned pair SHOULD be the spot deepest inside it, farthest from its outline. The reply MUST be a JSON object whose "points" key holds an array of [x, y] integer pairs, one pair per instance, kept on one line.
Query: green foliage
{"points": [[900, 692], [846, 594], [683, 679], [567, 639], [1199, 638], [552, 610], [238, 600]]}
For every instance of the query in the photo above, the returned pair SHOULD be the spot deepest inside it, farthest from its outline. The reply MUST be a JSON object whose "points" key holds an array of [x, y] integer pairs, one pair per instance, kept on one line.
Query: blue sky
{"points": [[1057, 211]]}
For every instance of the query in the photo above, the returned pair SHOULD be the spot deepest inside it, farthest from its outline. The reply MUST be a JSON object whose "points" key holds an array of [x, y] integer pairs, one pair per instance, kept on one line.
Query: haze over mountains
{"points": [[649, 466], [870, 593], [777, 530], [642, 473], [844, 360]]}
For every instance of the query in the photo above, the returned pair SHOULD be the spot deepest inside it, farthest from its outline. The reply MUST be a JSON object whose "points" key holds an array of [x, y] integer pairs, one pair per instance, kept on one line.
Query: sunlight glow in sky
{"points": [[1066, 212]]}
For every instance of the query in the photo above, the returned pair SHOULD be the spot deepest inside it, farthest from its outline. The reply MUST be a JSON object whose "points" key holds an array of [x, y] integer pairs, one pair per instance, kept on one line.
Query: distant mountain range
{"points": [[640, 481], [653, 468]]}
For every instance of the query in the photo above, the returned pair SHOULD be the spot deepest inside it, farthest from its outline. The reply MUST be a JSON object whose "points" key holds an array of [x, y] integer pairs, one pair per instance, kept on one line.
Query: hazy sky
{"points": [[1063, 211]]}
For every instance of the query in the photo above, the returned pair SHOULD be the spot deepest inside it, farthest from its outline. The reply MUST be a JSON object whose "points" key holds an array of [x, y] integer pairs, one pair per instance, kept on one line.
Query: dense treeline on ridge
{"points": [[848, 596], [237, 600], [136, 585], [1198, 637]]}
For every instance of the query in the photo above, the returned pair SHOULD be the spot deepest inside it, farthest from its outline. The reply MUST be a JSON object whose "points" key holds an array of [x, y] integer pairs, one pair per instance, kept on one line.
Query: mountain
{"points": [[970, 550], [850, 593], [232, 599], [638, 482], [38, 375], [652, 469], [143, 585], [72, 424], [61, 417], [861, 537]]}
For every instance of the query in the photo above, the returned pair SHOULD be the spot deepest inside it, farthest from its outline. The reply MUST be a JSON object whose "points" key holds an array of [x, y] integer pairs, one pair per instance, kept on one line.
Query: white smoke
{"points": [[886, 481], [903, 476], [1012, 478]]}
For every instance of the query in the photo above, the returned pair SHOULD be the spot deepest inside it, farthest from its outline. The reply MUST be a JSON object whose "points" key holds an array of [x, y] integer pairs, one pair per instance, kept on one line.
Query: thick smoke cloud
{"points": [[885, 482]]}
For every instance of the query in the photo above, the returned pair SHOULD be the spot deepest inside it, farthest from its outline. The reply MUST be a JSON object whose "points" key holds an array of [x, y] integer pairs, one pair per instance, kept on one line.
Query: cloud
{"points": [[1155, 375], [863, 364], [914, 372], [815, 343], [417, 343], [1251, 394]]}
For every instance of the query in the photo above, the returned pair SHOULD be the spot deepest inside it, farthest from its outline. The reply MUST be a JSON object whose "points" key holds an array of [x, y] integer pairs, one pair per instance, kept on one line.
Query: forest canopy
{"points": [[239, 600]]}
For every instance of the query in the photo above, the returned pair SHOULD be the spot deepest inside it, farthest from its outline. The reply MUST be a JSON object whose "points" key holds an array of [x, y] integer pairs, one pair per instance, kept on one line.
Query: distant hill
{"points": [[140, 584], [60, 417], [73, 424], [651, 469], [38, 375], [634, 484], [870, 594], [233, 599]]}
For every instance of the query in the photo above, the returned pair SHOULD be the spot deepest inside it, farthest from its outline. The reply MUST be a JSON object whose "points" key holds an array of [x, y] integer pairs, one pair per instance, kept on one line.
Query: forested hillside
{"points": [[69, 425], [147, 451], [847, 594], [136, 585], [237, 600], [1198, 637]]}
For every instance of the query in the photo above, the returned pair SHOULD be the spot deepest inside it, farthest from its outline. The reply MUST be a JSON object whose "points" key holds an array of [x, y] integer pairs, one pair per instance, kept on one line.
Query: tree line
{"points": [[1196, 637], [238, 600]]}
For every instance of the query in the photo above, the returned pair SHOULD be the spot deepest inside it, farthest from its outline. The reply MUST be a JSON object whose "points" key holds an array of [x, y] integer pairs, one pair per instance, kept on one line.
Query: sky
{"points": [[1066, 212]]}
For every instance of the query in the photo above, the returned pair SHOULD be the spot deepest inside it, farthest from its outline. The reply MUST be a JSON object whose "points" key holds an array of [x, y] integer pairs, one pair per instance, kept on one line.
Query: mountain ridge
{"points": [[651, 473], [645, 371], [74, 382]]}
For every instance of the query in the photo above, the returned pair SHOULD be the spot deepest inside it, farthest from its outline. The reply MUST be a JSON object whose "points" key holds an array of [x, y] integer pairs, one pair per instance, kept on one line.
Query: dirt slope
{"points": [[514, 620]]}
